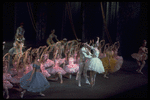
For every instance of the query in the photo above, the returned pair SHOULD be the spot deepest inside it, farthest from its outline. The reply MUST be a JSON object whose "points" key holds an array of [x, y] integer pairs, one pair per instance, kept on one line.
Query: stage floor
{"points": [[125, 83]]}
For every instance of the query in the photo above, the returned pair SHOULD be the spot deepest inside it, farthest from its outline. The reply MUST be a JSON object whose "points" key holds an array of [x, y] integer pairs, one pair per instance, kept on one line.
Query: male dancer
{"points": [[83, 56]]}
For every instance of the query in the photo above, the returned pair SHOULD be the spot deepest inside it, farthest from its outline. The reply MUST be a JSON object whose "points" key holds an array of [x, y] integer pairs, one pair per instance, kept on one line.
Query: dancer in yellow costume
{"points": [[109, 62]]}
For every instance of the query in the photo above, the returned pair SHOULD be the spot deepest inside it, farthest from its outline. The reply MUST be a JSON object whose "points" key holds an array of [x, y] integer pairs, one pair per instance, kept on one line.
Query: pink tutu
{"points": [[73, 68], [61, 61], [16, 78], [28, 68], [56, 69], [48, 63], [138, 56], [13, 71], [6, 78], [44, 72], [119, 63]]}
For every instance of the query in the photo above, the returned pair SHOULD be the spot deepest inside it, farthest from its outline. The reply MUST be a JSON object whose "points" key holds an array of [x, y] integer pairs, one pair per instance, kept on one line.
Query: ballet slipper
{"points": [[140, 72], [87, 82], [79, 85], [22, 94], [61, 82], [106, 77], [41, 94]]}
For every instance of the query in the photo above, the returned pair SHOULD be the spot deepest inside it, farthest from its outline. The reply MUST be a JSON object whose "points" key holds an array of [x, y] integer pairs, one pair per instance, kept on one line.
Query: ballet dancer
{"points": [[94, 64], [50, 38], [34, 81], [6, 82], [83, 56], [56, 69], [141, 56]]}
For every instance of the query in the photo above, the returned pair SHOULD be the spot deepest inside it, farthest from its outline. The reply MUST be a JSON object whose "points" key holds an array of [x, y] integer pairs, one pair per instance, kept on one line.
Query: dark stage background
{"points": [[126, 22]]}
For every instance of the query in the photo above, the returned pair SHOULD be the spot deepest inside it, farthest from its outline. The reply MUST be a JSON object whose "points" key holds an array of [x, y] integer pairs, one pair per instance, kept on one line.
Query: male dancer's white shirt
{"points": [[84, 54]]}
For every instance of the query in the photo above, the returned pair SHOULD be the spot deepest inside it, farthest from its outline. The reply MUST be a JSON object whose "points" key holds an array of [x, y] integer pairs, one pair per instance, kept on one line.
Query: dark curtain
{"points": [[126, 22]]}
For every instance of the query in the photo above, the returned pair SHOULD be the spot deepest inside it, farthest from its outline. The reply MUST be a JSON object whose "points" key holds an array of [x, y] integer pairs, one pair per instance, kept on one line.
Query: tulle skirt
{"points": [[38, 83], [56, 69], [139, 57], [7, 84], [73, 68], [109, 66], [95, 64], [45, 73], [119, 63], [15, 79]]}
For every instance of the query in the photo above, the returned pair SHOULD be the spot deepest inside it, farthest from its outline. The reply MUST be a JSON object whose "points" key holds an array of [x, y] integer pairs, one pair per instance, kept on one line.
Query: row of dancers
{"points": [[33, 68]]}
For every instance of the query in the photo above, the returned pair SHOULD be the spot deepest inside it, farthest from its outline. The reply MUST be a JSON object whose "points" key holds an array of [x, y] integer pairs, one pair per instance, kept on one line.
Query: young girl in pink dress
{"points": [[102, 54], [27, 63], [56, 69], [141, 56], [45, 64], [13, 70], [6, 82], [117, 57], [71, 67], [6, 77]]}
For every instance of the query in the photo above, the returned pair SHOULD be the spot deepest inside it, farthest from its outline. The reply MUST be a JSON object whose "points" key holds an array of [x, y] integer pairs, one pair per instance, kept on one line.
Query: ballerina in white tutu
{"points": [[94, 64]]}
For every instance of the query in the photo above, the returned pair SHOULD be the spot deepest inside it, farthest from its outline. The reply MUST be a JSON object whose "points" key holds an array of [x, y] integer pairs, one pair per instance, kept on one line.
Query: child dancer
{"points": [[27, 62], [102, 54], [117, 57], [34, 81], [71, 67], [141, 56], [6, 76], [46, 63], [56, 69], [6, 81]]}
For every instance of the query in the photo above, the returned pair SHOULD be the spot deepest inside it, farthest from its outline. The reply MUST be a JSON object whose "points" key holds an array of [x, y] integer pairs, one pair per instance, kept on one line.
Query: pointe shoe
{"points": [[79, 85], [76, 78], [61, 82], [22, 94], [41, 94], [106, 77], [87, 82]]}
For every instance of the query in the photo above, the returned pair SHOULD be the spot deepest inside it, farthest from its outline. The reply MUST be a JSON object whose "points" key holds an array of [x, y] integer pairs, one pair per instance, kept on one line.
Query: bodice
{"points": [[36, 66], [95, 51]]}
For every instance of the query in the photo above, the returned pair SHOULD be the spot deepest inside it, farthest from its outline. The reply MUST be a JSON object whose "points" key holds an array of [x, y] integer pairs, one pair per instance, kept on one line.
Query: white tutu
{"points": [[95, 64]]}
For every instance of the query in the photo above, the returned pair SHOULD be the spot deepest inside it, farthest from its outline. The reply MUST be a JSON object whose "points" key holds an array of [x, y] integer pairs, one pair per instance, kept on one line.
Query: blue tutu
{"points": [[38, 83]]}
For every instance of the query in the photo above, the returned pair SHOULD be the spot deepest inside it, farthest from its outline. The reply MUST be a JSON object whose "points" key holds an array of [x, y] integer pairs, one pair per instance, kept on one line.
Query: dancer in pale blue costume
{"points": [[34, 81]]}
